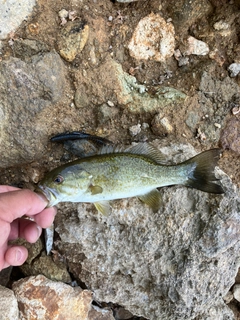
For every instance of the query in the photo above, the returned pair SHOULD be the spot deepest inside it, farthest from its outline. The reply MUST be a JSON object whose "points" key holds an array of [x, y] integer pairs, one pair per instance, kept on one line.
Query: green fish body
{"points": [[137, 171]]}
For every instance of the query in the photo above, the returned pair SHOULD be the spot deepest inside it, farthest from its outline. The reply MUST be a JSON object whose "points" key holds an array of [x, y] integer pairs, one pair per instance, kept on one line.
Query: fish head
{"points": [[65, 183]]}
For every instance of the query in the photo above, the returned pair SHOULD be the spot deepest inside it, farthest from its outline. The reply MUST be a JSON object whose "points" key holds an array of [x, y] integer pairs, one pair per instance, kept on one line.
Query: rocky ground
{"points": [[165, 72]]}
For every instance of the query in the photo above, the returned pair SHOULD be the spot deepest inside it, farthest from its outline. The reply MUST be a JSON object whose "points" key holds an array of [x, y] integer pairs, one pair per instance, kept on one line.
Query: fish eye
{"points": [[59, 179]]}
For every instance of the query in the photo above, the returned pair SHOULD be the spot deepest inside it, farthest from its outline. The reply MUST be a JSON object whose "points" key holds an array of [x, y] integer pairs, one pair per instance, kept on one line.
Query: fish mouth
{"points": [[50, 194]]}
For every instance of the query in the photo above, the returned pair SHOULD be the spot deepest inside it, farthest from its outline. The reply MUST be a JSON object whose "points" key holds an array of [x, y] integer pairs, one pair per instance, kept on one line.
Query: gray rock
{"points": [[135, 130], [26, 90], [27, 48], [106, 113], [192, 119], [216, 98], [175, 264], [12, 14], [8, 305]]}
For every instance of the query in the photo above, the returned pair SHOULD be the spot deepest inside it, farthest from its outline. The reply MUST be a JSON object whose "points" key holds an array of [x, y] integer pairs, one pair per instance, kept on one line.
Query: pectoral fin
{"points": [[95, 189], [103, 207], [152, 199]]}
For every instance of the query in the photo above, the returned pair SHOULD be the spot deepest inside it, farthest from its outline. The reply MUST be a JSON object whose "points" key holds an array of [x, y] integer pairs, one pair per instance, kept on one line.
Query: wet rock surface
{"points": [[182, 261]]}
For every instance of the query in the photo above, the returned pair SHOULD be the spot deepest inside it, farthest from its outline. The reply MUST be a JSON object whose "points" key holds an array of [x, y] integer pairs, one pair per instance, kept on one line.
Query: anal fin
{"points": [[152, 199], [103, 207]]}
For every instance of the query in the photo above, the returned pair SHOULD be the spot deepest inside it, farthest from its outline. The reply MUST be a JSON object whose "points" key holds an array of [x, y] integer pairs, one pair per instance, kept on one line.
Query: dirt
{"points": [[111, 26]]}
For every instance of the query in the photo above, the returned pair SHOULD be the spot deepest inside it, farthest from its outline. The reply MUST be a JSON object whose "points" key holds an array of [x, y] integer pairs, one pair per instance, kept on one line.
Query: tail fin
{"points": [[201, 175]]}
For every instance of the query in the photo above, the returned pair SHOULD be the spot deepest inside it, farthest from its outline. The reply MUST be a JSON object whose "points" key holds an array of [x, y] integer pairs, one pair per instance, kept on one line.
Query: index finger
{"points": [[14, 204]]}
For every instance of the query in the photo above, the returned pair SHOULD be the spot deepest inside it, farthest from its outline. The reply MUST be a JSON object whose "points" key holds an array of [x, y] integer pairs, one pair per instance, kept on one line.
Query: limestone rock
{"points": [[12, 15], [26, 90], [175, 264], [41, 299], [153, 39], [8, 304]]}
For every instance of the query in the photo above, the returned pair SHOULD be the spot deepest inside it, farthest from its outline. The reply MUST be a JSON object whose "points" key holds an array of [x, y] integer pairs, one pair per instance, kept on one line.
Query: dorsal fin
{"points": [[147, 150], [111, 149], [141, 148]]}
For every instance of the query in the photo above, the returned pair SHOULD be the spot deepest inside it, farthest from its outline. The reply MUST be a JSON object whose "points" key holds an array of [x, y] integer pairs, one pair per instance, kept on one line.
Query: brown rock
{"points": [[230, 138], [73, 39], [43, 299]]}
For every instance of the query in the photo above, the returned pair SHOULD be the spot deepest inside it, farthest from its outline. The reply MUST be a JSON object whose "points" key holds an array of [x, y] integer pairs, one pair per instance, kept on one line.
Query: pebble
{"points": [[161, 125], [145, 125], [72, 40], [201, 135], [221, 25], [182, 60], [63, 13], [197, 47], [228, 297], [153, 39], [234, 69], [110, 103], [236, 292], [217, 125], [235, 110], [134, 130], [218, 56], [106, 112]]}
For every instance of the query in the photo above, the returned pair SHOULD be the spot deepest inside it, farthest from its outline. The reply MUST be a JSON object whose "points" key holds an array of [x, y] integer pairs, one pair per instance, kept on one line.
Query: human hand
{"points": [[14, 204]]}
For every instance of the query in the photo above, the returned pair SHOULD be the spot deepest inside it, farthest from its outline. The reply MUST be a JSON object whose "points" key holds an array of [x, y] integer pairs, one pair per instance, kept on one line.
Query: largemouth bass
{"points": [[137, 171]]}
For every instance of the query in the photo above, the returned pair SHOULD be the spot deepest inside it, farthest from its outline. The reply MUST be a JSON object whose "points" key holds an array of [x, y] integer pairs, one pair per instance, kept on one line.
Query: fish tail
{"points": [[201, 173]]}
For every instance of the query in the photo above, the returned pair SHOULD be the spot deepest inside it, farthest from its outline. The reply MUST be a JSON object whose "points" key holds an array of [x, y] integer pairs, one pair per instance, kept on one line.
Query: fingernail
{"points": [[39, 229], [18, 255]]}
